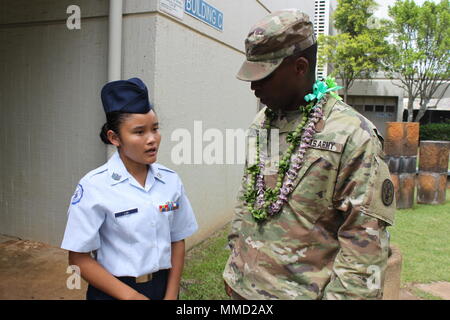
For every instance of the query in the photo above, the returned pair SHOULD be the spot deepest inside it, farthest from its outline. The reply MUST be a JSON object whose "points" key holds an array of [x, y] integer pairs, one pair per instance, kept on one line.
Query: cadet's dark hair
{"points": [[113, 121], [311, 55]]}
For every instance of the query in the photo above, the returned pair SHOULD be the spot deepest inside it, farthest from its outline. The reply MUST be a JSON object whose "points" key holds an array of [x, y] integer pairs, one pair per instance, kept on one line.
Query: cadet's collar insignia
{"points": [[387, 192], [168, 206], [77, 195], [116, 170], [116, 176], [157, 173], [327, 145]]}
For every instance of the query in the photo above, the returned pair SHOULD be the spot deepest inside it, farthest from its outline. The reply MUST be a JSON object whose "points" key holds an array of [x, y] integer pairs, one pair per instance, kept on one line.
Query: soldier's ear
{"points": [[301, 66]]}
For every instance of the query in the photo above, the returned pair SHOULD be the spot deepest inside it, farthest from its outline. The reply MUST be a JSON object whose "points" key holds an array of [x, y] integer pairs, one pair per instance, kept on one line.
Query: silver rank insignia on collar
{"points": [[116, 176], [159, 175]]}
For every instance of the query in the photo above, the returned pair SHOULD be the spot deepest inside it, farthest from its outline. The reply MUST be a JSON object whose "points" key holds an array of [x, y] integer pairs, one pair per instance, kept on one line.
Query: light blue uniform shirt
{"points": [[112, 213]]}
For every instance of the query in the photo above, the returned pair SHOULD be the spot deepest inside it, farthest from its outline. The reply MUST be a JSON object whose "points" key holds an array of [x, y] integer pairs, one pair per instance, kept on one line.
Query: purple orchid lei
{"points": [[264, 202]]}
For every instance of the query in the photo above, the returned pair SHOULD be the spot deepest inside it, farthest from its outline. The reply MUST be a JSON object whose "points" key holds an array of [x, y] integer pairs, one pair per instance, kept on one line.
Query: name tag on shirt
{"points": [[327, 145], [125, 213]]}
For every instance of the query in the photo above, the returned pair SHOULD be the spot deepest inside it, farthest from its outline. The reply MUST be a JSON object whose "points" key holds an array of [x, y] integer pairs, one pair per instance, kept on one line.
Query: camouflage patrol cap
{"points": [[277, 36]]}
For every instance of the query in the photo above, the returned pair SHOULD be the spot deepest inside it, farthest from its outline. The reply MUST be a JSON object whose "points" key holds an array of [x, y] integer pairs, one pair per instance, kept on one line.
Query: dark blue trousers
{"points": [[154, 289]]}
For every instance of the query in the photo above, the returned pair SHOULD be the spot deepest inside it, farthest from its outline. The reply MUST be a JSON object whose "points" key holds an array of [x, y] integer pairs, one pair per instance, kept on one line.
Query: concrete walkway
{"points": [[33, 270], [438, 289]]}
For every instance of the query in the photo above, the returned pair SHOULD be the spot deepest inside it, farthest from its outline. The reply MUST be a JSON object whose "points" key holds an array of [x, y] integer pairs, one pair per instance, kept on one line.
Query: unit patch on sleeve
{"points": [[387, 192]]}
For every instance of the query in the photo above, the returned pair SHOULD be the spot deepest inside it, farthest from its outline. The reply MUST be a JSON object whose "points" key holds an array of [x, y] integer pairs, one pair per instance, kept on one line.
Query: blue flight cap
{"points": [[126, 96]]}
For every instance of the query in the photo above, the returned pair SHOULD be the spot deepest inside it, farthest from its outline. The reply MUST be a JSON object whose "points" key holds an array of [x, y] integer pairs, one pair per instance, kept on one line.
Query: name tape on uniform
{"points": [[125, 213], [327, 145]]}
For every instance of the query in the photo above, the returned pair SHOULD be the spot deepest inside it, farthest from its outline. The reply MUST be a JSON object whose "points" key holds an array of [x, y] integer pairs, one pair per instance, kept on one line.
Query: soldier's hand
{"points": [[228, 290]]}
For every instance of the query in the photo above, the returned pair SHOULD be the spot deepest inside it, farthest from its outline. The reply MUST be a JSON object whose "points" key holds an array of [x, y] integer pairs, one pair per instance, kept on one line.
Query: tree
{"points": [[352, 16], [435, 69], [419, 53], [357, 50]]}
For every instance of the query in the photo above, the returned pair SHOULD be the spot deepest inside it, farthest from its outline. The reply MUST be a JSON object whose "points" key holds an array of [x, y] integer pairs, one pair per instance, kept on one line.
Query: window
{"points": [[379, 108], [368, 108], [390, 109]]}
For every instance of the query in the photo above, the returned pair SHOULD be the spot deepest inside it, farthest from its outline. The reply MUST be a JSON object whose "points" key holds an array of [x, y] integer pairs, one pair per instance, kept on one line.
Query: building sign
{"points": [[172, 7], [203, 11]]}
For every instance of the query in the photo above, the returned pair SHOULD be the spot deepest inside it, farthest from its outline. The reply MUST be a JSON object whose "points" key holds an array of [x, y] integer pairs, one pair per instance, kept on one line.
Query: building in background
{"points": [[322, 26], [380, 99], [377, 99], [438, 110]]}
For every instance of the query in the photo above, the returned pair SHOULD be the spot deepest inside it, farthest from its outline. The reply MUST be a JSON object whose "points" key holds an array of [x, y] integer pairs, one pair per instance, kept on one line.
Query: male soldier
{"points": [[328, 240]]}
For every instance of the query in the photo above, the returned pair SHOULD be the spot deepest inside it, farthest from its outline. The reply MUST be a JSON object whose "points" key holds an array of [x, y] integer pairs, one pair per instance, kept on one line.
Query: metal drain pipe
{"points": [[114, 48]]}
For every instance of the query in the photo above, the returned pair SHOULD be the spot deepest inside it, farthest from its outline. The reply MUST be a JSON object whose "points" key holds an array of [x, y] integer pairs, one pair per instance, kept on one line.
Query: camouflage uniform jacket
{"points": [[329, 241]]}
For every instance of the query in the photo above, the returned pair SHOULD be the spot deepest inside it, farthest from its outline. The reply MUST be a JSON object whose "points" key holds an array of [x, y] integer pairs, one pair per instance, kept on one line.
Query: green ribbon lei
{"points": [[321, 88]]}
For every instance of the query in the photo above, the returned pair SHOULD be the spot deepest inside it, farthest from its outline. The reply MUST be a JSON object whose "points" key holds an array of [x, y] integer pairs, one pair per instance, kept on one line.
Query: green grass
{"points": [[202, 276], [422, 234]]}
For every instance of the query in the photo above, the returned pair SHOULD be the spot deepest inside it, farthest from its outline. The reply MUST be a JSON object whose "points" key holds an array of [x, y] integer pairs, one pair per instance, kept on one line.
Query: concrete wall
{"points": [[50, 111]]}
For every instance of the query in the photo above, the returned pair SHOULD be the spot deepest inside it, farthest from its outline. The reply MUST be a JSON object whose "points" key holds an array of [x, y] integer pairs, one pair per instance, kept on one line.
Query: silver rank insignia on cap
{"points": [[116, 176]]}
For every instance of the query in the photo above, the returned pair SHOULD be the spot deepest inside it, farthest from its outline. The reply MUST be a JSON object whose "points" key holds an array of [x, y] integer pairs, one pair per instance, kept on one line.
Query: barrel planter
{"points": [[433, 168], [400, 147]]}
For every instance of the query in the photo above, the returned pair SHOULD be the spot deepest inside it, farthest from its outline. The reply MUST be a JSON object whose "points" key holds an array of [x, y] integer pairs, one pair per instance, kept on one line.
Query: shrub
{"points": [[435, 131]]}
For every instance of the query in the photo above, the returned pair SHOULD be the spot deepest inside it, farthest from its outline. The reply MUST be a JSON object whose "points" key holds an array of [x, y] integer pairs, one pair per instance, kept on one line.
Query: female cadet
{"points": [[132, 212]]}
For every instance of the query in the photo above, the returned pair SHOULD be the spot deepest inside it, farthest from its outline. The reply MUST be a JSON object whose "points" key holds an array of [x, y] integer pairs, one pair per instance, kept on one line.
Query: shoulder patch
{"points": [[78, 195], [387, 192]]}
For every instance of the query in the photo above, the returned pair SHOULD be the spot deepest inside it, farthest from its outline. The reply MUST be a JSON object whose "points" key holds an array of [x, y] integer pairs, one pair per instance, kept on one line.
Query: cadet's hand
{"points": [[228, 290]]}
